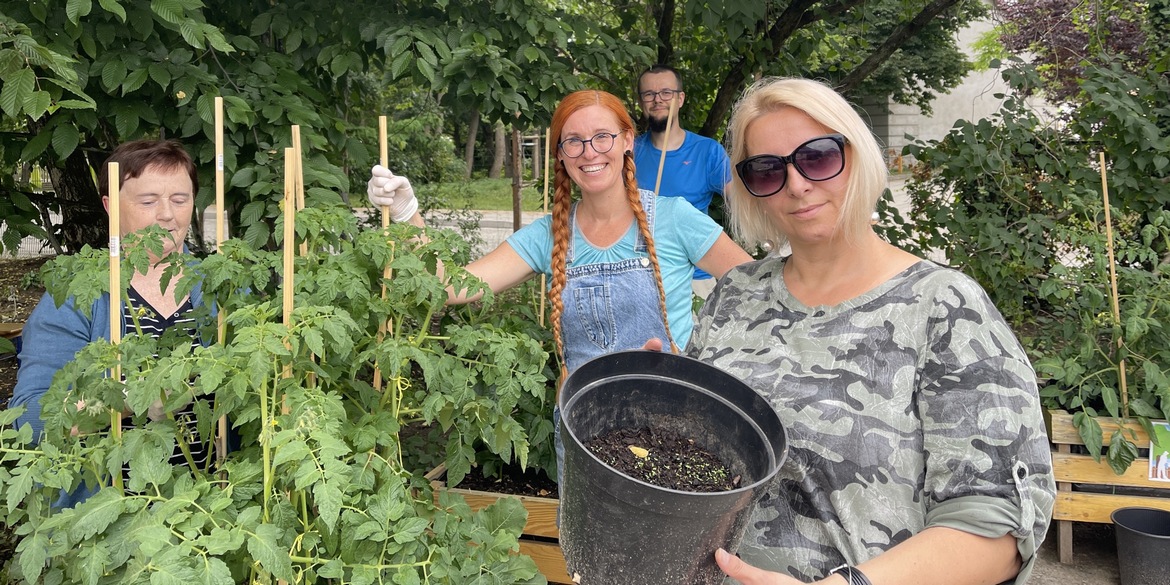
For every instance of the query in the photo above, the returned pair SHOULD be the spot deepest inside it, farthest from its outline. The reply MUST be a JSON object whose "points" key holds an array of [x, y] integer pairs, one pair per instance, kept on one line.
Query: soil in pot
{"points": [[663, 458]]}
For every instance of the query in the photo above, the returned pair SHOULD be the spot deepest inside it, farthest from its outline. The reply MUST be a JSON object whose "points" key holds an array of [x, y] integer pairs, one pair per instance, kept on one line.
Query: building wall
{"points": [[973, 99]]}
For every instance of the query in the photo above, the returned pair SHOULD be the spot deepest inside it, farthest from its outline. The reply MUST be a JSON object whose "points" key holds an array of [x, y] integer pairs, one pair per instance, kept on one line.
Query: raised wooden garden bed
{"points": [[540, 537], [1089, 491]]}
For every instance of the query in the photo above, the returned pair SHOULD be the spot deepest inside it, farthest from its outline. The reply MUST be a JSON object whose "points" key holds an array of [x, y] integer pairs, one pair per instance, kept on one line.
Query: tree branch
{"points": [[898, 36]]}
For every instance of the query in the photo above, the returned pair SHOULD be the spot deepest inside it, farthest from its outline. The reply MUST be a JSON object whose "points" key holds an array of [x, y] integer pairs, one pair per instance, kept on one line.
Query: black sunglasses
{"points": [[819, 159]]}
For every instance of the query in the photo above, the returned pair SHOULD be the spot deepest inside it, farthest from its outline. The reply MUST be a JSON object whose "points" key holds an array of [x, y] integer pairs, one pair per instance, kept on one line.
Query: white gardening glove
{"points": [[385, 189]]}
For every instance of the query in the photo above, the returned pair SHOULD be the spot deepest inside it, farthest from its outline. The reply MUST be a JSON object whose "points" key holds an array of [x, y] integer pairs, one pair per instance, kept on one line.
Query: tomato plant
{"points": [[318, 488]]}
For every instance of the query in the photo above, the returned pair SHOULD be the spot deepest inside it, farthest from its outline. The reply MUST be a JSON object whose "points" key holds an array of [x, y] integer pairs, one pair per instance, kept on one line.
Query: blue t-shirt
{"points": [[682, 236], [695, 171]]}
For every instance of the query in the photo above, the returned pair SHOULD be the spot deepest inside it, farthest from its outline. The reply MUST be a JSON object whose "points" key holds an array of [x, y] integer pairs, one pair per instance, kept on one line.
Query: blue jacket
{"points": [[51, 338]]}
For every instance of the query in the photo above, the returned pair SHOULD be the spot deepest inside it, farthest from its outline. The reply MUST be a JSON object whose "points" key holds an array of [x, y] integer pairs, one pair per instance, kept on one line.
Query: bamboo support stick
{"points": [[665, 144], [1113, 286], [299, 177], [544, 277], [221, 429], [114, 172], [289, 247], [384, 160]]}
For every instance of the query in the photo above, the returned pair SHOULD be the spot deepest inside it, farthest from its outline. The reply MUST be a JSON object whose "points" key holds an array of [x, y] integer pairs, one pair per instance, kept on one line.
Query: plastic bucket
{"points": [[1143, 545], [617, 530]]}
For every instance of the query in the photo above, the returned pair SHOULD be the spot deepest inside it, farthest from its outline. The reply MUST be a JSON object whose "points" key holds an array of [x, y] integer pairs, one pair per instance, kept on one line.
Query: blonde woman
{"points": [[917, 450]]}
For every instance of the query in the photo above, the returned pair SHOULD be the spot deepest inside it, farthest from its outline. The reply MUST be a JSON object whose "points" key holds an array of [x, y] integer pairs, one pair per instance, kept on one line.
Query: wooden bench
{"points": [[1081, 471]]}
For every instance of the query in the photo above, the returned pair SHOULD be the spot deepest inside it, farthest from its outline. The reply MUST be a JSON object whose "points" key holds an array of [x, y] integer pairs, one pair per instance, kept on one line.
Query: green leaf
{"points": [[75, 9], [96, 514], [1122, 453], [37, 145], [113, 7], [65, 140], [113, 73], [34, 553], [264, 546], [16, 91], [328, 500], [37, 104], [168, 10], [160, 74], [94, 559], [134, 81]]}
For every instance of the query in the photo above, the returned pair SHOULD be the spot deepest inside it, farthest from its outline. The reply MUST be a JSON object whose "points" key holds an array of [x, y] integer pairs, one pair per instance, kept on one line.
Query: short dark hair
{"points": [[136, 156], [660, 68]]}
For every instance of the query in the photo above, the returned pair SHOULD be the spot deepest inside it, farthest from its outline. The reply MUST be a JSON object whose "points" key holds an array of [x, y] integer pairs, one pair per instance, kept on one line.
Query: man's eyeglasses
{"points": [[602, 142], [665, 94], [819, 159]]}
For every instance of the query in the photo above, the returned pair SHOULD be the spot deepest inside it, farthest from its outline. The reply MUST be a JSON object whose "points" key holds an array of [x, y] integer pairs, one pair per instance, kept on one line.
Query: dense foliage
{"points": [[1016, 201], [1066, 36], [81, 76], [324, 485]]}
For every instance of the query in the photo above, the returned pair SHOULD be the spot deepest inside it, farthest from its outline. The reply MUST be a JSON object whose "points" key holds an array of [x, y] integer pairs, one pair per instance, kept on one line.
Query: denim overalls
{"points": [[609, 306]]}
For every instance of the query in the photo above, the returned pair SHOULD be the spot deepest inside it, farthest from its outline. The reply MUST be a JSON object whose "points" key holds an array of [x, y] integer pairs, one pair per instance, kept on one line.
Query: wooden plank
{"points": [[1088, 507], [11, 330], [548, 559], [1082, 469], [1061, 430], [542, 512]]}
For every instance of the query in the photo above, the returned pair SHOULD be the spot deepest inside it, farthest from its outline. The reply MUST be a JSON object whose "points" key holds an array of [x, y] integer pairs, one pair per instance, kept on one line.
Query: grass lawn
{"points": [[488, 194]]}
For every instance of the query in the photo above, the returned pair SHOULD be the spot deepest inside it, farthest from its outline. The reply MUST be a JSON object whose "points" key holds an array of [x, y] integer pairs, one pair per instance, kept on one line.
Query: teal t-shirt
{"points": [[682, 235]]}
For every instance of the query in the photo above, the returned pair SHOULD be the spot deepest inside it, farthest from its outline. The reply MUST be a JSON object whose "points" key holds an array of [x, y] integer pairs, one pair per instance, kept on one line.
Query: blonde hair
{"points": [[563, 199], [867, 174]]}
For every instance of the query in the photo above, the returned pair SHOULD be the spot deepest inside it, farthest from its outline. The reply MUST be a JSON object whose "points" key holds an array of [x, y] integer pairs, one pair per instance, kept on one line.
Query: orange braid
{"points": [[644, 227], [562, 200]]}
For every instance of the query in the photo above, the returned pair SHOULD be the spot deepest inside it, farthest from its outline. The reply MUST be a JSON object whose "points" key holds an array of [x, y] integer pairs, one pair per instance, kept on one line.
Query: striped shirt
{"points": [[151, 323]]}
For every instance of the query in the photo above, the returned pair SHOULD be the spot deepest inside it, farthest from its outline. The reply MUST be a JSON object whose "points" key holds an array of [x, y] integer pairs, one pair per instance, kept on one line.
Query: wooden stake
{"points": [[1113, 285], [665, 144], [544, 277], [299, 177], [115, 227], [384, 160], [221, 429], [289, 247]]}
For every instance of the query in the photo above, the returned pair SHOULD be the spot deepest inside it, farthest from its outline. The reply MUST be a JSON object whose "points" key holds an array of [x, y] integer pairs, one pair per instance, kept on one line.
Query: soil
{"points": [[513, 481], [19, 293], [663, 458]]}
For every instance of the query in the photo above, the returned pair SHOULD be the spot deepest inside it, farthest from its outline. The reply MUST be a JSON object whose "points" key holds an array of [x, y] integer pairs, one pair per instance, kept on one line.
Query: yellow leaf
{"points": [[639, 452]]}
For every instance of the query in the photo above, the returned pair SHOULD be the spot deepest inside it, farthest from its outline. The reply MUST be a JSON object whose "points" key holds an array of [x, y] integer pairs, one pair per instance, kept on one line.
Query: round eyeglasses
{"points": [[602, 142], [819, 159]]}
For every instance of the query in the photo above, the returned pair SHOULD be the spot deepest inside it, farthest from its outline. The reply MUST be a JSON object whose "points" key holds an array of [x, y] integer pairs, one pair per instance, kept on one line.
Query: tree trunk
{"points": [[83, 219], [665, 33], [537, 159], [469, 147], [500, 153], [517, 174]]}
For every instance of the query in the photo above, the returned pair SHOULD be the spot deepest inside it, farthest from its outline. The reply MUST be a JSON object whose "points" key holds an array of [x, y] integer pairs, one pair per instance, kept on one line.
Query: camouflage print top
{"points": [[910, 406]]}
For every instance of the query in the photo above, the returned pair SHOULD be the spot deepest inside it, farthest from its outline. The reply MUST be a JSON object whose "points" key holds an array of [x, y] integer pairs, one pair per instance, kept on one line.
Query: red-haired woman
{"points": [[620, 260]]}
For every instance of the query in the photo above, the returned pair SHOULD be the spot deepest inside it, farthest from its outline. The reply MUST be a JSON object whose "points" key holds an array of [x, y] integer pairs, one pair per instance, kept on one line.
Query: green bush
{"points": [[1016, 202]]}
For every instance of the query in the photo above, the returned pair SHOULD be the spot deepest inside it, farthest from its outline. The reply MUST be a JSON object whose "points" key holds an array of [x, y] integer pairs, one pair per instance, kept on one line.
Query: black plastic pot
{"points": [[1143, 545], [617, 530]]}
